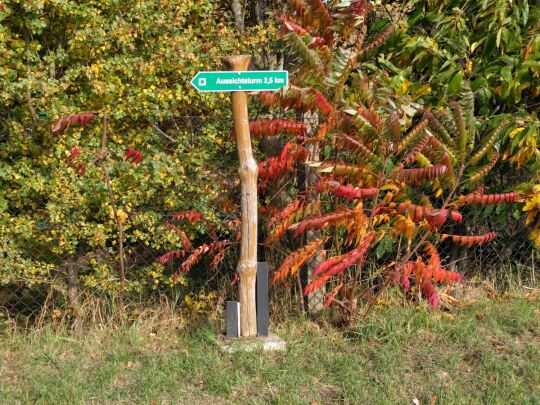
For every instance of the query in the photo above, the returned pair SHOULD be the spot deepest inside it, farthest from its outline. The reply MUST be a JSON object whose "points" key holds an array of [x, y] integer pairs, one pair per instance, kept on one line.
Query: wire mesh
{"points": [[60, 240]]}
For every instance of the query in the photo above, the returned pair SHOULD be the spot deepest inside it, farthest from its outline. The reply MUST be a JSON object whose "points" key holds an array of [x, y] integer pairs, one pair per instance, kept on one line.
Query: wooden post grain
{"points": [[248, 170]]}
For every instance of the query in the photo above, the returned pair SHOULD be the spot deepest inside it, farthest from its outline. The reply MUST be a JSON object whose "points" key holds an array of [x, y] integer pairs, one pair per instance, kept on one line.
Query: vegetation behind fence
{"points": [[62, 247], [119, 181]]}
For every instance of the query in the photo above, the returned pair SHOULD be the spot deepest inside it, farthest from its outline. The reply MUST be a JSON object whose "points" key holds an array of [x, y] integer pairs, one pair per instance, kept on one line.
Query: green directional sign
{"points": [[261, 80]]}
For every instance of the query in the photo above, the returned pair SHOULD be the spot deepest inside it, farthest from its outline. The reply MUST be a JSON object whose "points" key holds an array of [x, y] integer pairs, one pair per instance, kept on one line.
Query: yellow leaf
{"points": [[515, 131], [122, 216], [389, 186], [530, 217], [423, 90], [404, 87]]}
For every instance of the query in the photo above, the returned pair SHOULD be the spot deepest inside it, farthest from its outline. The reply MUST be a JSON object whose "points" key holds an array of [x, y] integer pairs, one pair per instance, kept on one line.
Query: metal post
{"points": [[262, 299], [233, 319]]}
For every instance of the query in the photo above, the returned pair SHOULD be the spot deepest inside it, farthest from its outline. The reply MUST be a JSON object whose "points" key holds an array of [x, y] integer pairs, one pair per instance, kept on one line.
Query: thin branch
{"points": [[238, 14], [120, 226], [163, 133], [29, 100], [389, 14]]}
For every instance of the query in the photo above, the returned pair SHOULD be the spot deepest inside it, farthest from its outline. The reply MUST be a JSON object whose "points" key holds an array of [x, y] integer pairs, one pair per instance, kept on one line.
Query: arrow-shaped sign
{"points": [[262, 80]]}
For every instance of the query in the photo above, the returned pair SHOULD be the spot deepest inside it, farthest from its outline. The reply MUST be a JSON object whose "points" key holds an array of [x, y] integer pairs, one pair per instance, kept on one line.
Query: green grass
{"points": [[485, 353]]}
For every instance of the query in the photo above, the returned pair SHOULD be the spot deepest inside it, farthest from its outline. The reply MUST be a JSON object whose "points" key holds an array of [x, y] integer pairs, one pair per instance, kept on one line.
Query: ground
{"points": [[487, 352]]}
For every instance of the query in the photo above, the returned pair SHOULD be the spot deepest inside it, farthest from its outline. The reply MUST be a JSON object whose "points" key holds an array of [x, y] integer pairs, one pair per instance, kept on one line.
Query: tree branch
{"points": [[120, 226], [238, 14], [161, 132]]}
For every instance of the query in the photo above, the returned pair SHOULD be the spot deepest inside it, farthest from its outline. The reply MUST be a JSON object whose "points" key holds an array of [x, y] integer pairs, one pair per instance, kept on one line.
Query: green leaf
{"points": [[506, 74], [478, 83], [327, 151], [388, 167], [455, 84], [490, 45], [386, 245], [487, 211], [416, 16], [377, 25], [518, 138], [432, 16]]}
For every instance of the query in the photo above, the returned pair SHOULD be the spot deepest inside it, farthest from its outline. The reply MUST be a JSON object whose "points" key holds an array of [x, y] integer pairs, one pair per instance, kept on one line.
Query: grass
{"points": [[488, 352]]}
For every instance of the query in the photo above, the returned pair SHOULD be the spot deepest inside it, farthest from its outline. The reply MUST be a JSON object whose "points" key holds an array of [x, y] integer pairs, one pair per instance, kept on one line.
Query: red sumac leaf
{"points": [[332, 296], [349, 192], [194, 257], [429, 292], [322, 103], [289, 25], [480, 200], [336, 265], [435, 217], [471, 240], [296, 259], [411, 156], [456, 216], [273, 127], [321, 221], [286, 212], [81, 120], [273, 168], [186, 243], [415, 176], [361, 8], [192, 216], [167, 257], [317, 41], [406, 284]]}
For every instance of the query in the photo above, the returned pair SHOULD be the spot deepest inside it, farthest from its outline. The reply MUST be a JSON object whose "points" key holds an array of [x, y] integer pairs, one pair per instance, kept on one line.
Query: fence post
{"points": [[315, 300], [247, 265]]}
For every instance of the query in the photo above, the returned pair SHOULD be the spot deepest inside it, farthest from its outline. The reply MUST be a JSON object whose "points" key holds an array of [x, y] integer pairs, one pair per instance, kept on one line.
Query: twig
{"points": [[190, 124], [389, 14], [342, 305], [29, 101], [533, 269], [161, 132], [300, 292], [102, 157], [374, 301]]}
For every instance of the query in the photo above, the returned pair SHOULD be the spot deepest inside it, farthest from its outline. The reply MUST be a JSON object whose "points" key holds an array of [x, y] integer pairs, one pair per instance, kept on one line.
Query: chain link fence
{"points": [[63, 224]]}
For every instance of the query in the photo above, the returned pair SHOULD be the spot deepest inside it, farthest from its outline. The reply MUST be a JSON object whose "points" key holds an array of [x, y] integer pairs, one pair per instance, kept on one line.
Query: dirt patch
{"points": [[468, 293], [9, 368], [330, 394]]}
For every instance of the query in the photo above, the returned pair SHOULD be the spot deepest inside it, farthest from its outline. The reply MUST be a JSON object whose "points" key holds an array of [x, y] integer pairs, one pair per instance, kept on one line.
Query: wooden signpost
{"points": [[238, 82]]}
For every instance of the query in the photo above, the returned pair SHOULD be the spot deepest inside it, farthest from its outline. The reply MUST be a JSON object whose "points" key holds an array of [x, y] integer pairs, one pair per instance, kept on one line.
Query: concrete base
{"points": [[265, 343]]}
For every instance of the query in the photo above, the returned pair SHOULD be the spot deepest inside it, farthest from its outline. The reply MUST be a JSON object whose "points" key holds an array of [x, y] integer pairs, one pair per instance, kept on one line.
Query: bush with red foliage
{"points": [[397, 176]]}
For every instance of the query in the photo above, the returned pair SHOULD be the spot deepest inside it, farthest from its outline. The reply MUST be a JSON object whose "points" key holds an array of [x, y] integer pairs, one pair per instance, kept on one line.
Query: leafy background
{"points": [[133, 61]]}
